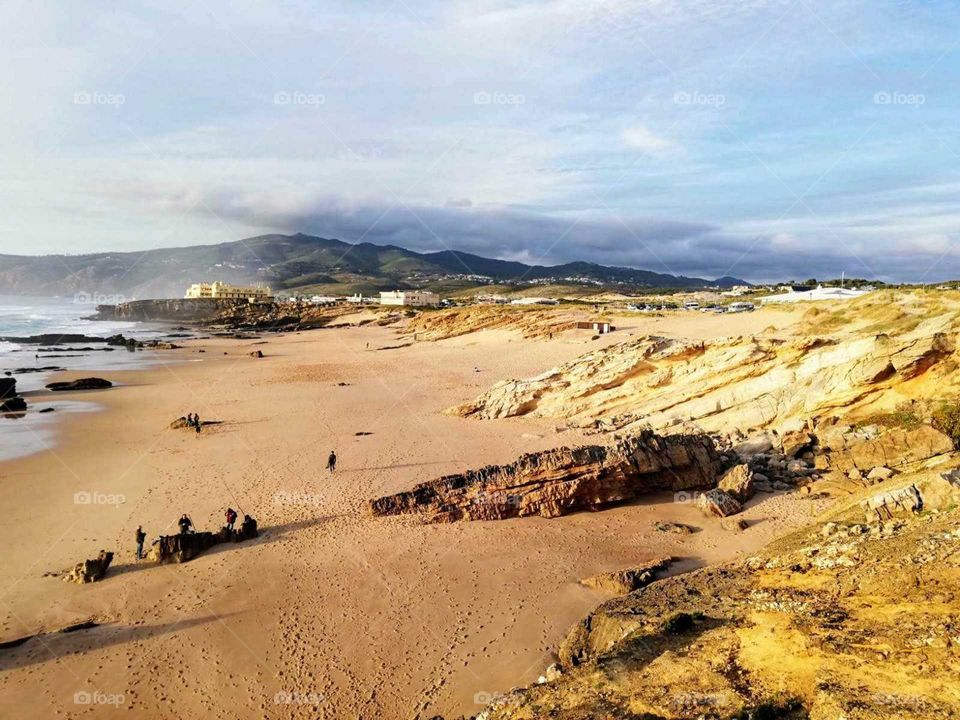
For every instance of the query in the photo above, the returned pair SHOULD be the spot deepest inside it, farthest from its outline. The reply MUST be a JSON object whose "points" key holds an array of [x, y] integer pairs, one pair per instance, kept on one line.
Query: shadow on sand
{"points": [[44, 647]]}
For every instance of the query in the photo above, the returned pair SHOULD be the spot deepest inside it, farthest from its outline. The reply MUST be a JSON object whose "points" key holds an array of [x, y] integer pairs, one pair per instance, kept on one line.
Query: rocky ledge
{"points": [[564, 480], [843, 619], [169, 310]]}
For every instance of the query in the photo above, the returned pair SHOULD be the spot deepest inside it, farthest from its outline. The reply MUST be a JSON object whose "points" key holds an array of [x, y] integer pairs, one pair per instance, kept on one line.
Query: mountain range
{"points": [[301, 263]]}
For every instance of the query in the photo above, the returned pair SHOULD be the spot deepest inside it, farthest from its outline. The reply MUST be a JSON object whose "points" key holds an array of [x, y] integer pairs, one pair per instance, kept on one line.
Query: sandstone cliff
{"points": [[171, 310], [743, 382], [565, 480], [845, 619]]}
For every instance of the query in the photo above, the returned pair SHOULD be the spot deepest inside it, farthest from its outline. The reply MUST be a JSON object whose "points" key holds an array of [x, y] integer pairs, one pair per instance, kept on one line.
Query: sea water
{"points": [[22, 316]]}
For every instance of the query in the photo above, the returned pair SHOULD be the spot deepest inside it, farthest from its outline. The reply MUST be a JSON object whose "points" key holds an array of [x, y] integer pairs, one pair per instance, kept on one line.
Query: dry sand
{"points": [[352, 616]]}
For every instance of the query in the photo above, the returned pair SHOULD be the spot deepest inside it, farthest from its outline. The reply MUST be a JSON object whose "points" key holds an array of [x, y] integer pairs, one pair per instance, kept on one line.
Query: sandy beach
{"points": [[331, 613]]}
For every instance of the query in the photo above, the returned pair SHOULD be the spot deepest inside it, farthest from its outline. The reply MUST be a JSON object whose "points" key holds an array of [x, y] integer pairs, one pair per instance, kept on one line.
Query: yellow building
{"points": [[412, 298], [222, 291]]}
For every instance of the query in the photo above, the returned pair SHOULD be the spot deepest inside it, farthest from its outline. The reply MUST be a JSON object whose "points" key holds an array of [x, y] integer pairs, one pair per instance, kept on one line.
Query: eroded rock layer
{"points": [[743, 382], [843, 619], [564, 480]]}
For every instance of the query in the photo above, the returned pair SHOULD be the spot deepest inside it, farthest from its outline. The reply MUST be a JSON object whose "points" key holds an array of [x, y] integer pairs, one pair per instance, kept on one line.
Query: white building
{"points": [[222, 291], [818, 293], [410, 298]]}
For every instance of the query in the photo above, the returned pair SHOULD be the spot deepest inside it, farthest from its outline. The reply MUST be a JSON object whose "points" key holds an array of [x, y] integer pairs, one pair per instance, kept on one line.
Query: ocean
{"points": [[20, 316]]}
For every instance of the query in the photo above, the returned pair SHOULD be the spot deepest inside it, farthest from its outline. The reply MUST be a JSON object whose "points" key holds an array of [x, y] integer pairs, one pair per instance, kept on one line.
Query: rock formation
{"points": [[183, 547], [10, 401], [91, 383], [738, 482], [90, 570], [717, 503], [839, 620], [169, 310], [744, 382], [561, 481], [621, 582]]}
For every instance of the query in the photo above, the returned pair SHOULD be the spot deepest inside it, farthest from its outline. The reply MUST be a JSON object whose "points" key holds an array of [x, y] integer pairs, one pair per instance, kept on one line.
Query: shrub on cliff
{"points": [[946, 419]]}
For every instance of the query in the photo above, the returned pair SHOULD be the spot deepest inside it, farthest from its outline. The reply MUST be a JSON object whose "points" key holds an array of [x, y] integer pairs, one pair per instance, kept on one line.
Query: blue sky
{"points": [[760, 138]]}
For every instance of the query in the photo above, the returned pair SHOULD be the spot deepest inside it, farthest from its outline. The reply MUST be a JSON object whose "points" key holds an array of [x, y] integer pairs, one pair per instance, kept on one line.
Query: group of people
{"points": [[193, 420], [186, 527]]}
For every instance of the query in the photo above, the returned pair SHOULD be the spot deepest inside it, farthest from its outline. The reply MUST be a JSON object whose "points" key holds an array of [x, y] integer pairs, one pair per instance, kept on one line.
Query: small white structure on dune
{"points": [[818, 293], [534, 301], [410, 298]]}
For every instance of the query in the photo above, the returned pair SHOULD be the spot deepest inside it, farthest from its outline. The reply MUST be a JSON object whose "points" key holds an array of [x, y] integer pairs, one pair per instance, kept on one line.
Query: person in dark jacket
{"points": [[185, 524], [141, 537], [332, 461]]}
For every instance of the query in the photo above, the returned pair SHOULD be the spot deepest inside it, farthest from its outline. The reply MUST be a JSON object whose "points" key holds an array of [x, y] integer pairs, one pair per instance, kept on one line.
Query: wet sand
{"points": [[330, 613]]}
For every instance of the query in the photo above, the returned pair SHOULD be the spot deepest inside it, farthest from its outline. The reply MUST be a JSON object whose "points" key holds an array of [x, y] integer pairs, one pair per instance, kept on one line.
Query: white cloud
{"points": [[647, 142]]}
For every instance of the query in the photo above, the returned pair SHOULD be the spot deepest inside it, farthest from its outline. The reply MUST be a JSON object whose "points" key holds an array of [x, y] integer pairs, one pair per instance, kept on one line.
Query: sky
{"points": [[764, 139]]}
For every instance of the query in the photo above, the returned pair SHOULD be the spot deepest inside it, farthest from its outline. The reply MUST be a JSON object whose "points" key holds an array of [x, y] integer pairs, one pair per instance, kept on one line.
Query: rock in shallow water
{"points": [[81, 384]]}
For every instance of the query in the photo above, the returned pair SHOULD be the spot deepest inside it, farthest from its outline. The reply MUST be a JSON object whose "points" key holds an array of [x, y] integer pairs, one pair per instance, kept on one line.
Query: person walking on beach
{"points": [[231, 518], [185, 524], [332, 461], [141, 536], [196, 422]]}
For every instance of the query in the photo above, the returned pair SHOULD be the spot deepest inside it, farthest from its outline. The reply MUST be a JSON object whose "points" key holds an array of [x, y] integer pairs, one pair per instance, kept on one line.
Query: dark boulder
{"points": [[8, 387], [13, 405], [10, 402], [81, 384]]}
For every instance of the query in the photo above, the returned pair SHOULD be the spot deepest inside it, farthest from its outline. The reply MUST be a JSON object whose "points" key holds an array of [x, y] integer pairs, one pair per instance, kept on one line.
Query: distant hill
{"points": [[298, 263]]}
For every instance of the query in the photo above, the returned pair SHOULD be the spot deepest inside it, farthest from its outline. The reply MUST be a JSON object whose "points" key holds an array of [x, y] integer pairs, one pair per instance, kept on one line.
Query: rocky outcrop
{"points": [[170, 310], [839, 620], [621, 582], [561, 481], [717, 503], [186, 546], [90, 570], [91, 383], [868, 447], [746, 382], [10, 401], [738, 482]]}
